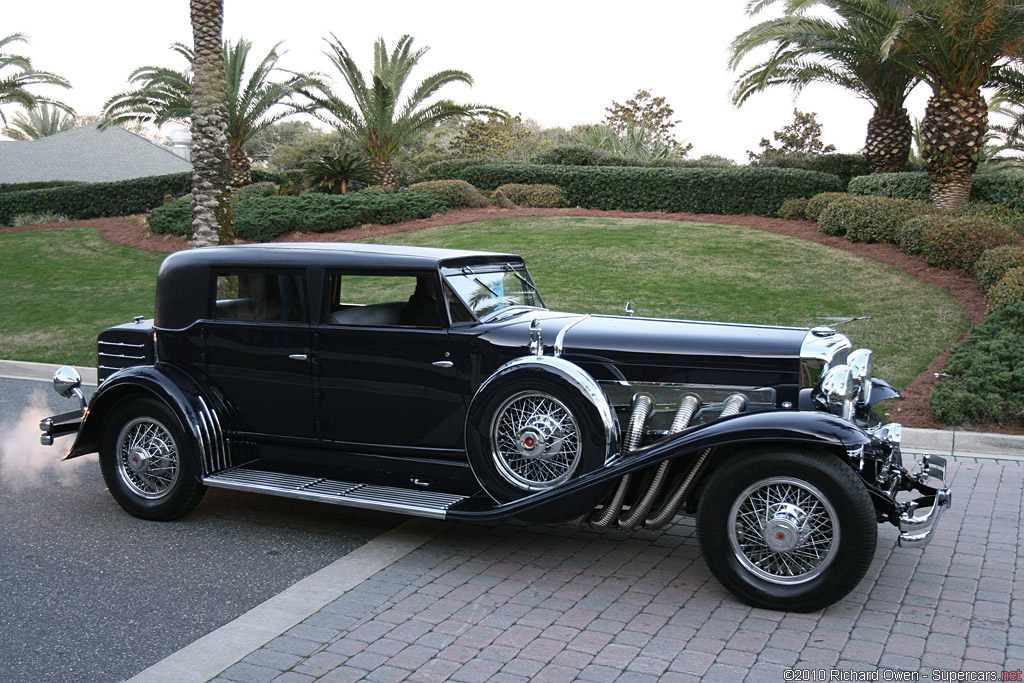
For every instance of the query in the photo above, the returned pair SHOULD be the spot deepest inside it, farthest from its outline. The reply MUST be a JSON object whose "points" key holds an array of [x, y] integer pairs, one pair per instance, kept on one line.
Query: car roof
{"points": [[336, 254]]}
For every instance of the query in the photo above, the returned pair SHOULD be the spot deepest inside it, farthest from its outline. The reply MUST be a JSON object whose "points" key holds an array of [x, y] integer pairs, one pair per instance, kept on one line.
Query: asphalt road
{"points": [[89, 593]]}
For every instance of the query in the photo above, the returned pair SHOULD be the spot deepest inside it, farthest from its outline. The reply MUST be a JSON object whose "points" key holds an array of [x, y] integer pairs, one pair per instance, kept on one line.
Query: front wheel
{"points": [[787, 529], [147, 462]]}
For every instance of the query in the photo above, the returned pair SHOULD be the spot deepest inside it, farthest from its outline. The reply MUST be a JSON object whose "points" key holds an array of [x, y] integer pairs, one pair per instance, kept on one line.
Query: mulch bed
{"points": [[912, 411]]}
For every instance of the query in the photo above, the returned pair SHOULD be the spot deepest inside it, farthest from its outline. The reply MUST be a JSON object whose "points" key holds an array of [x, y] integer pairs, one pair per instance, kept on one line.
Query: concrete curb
{"points": [[215, 652], [42, 372]]}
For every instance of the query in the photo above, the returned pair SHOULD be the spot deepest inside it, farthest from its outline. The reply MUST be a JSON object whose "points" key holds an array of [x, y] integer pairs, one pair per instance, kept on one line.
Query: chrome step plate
{"points": [[383, 498]]}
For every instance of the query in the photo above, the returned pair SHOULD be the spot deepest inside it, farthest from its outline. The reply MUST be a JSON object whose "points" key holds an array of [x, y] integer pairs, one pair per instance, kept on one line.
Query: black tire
{"points": [[818, 541], [565, 432], [147, 462]]}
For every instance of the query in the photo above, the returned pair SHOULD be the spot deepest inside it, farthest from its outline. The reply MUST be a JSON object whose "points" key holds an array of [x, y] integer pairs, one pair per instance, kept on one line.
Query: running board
{"points": [[382, 498]]}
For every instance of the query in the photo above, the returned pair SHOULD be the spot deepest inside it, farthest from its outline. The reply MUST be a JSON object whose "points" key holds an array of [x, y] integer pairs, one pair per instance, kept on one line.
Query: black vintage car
{"points": [[435, 382]]}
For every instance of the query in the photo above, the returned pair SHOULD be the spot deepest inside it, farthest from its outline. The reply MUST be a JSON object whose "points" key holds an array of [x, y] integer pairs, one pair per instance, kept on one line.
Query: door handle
{"points": [[299, 356], [442, 363]]}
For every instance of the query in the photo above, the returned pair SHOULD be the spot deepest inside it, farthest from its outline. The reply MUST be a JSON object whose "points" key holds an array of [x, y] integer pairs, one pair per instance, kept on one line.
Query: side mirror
{"points": [[67, 382]]}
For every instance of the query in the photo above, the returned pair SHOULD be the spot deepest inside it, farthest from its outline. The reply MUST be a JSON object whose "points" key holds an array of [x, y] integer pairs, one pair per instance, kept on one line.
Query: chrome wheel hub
{"points": [[535, 441], [147, 458], [783, 530]]}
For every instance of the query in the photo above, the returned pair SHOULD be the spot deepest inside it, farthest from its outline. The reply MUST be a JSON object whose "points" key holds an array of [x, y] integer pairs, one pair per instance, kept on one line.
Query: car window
{"points": [[260, 296], [488, 292], [383, 300]]}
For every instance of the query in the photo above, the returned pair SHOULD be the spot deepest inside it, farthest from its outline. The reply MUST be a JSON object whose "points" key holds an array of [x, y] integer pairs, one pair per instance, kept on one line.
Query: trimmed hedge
{"points": [[820, 202], [868, 219], [960, 242], [994, 263], [262, 219], [1008, 291], [758, 191], [1006, 187], [448, 169], [909, 236], [539, 196], [846, 166], [42, 185], [568, 155], [985, 381], [794, 207], [99, 200], [457, 194]]}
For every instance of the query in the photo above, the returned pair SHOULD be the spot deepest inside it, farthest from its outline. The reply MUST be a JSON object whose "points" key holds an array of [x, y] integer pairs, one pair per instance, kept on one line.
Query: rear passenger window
{"points": [[260, 296], [387, 300]]}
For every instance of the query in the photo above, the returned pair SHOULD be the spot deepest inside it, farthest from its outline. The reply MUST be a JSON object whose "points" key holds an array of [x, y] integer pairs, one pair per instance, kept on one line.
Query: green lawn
{"points": [[58, 288]]}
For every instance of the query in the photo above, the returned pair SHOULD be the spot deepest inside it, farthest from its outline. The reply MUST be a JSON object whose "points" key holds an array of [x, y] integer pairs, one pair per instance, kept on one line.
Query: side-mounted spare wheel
{"points": [[147, 462], [787, 528], [532, 430]]}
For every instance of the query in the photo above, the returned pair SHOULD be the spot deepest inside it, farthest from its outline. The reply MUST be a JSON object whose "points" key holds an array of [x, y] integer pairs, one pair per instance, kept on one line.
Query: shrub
{"points": [[568, 155], [818, 203], [994, 263], [541, 196], [908, 236], [985, 381], [36, 219], [262, 219], [41, 185], [894, 185], [457, 194], [449, 169], [845, 166], [616, 160], [997, 212], [262, 189], [868, 219], [1005, 188], [1007, 291], [758, 191], [959, 242], [794, 207]]}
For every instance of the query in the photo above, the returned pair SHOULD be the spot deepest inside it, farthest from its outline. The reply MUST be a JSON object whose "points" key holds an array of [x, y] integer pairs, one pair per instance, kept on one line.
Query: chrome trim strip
{"points": [[221, 442], [133, 346], [560, 337], [120, 355], [382, 498], [210, 462]]}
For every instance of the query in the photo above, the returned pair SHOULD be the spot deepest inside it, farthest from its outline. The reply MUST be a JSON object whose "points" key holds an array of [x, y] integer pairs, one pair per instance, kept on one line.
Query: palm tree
{"points": [[40, 121], [843, 49], [211, 200], [379, 122], [336, 172], [957, 46], [18, 78], [165, 94]]}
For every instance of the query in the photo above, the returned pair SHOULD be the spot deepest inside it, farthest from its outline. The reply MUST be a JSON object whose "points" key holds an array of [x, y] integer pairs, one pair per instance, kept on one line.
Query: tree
{"points": [[803, 136], [957, 46], [164, 94], [844, 49], [336, 172], [18, 79], [38, 122], [380, 122], [211, 174], [496, 137], [644, 122], [634, 142]]}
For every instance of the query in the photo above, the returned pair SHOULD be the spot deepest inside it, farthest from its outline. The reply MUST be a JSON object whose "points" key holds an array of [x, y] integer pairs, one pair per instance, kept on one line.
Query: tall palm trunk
{"points": [[211, 206], [953, 133], [387, 173], [887, 147], [241, 170]]}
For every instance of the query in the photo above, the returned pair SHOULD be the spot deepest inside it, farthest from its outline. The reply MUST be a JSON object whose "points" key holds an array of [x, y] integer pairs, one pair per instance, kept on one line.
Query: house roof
{"points": [[87, 154]]}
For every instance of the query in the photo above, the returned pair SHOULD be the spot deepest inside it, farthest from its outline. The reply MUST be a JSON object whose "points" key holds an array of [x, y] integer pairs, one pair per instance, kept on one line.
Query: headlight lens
{"points": [[848, 385]]}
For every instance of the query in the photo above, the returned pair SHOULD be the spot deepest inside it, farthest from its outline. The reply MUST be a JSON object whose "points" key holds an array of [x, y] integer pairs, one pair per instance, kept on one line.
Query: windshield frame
{"points": [[474, 271]]}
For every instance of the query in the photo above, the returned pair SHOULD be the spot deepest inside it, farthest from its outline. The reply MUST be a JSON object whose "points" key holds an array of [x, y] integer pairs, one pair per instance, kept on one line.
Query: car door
{"points": [[257, 351], [388, 373]]}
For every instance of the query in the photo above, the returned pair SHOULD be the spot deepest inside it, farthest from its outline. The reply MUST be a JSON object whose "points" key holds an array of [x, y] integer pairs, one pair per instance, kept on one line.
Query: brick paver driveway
{"points": [[514, 602]]}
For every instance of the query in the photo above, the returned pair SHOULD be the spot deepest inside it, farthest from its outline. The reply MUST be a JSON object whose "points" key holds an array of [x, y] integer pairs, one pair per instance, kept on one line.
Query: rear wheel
{"points": [[147, 463], [787, 529]]}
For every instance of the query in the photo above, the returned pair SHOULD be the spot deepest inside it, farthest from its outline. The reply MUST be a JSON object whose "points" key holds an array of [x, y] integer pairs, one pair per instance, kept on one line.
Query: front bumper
{"points": [[930, 479]]}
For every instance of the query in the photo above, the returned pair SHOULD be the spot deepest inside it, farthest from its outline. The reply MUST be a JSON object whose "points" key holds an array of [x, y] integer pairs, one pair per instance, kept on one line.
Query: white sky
{"points": [[559, 62]]}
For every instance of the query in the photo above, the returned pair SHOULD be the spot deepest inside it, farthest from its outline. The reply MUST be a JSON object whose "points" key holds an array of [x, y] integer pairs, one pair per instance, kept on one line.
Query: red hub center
{"points": [[529, 442]]}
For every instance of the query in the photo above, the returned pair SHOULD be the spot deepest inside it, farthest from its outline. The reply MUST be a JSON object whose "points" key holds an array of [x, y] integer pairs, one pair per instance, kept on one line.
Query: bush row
{"points": [[41, 185], [1006, 188], [758, 191], [456, 194], [262, 219], [98, 200], [846, 166], [540, 196]]}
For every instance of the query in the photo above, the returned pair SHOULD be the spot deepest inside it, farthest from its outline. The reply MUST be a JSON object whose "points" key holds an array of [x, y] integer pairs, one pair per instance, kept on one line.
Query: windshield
{"points": [[487, 292]]}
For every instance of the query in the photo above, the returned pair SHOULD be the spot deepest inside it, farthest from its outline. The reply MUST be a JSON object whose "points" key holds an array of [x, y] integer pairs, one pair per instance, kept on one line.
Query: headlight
{"points": [[848, 385]]}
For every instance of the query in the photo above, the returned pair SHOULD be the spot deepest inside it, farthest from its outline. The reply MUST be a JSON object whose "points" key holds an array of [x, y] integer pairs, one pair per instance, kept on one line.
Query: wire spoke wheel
{"points": [[147, 458], [783, 530], [535, 441]]}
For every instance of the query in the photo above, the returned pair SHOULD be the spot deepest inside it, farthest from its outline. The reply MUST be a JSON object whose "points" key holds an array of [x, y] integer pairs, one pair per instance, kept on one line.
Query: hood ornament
{"points": [[629, 309]]}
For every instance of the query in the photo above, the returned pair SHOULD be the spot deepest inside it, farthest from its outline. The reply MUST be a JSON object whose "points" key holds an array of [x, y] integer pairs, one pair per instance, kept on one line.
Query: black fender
{"points": [[197, 414], [794, 427], [881, 391]]}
